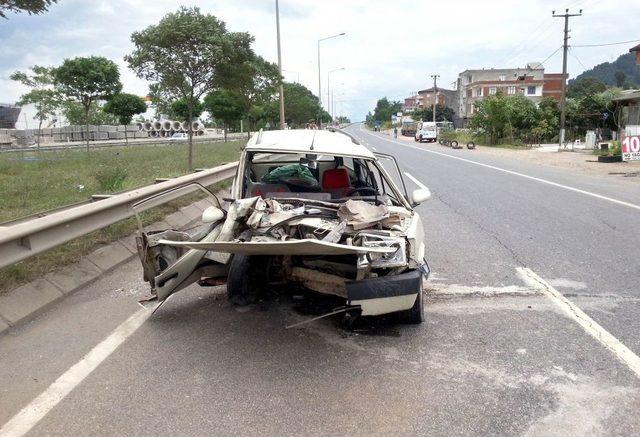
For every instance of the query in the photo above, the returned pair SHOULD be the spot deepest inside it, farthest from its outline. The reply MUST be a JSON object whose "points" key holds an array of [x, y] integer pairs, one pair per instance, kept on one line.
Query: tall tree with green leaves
{"points": [[87, 80], [584, 86], [125, 106], [443, 113], [385, 109], [42, 96], [185, 54], [224, 105], [32, 7], [74, 114], [300, 106], [179, 109]]}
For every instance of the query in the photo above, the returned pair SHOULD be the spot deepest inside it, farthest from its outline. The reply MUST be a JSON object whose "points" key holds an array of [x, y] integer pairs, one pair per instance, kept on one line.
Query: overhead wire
{"points": [[606, 44], [549, 57], [577, 59]]}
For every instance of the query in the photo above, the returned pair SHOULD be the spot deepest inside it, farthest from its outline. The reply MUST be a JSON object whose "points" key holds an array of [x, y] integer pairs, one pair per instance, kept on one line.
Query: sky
{"points": [[390, 48]]}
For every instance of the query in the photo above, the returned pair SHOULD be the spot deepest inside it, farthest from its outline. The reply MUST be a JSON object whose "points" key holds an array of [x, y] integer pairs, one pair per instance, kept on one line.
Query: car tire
{"points": [[414, 315], [454, 144], [420, 140], [246, 279], [471, 145]]}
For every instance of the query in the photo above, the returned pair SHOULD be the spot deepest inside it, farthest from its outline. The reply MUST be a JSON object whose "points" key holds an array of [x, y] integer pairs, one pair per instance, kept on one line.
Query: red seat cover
{"points": [[335, 178]]}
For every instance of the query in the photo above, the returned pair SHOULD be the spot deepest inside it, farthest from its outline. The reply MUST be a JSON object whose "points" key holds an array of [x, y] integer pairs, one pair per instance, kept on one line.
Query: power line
{"points": [[607, 44], [521, 45], [531, 44], [577, 59], [549, 57]]}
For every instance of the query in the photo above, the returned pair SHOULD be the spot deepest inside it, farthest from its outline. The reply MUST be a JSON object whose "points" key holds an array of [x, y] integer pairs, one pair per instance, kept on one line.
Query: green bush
{"points": [[111, 178]]}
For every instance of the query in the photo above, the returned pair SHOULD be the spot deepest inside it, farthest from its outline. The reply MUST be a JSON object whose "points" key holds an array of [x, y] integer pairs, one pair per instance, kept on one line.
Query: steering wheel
{"points": [[300, 184], [372, 191]]}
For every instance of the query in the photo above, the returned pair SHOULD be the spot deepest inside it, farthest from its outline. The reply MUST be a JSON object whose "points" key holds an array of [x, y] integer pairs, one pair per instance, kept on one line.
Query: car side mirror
{"points": [[420, 195], [212, 214]]}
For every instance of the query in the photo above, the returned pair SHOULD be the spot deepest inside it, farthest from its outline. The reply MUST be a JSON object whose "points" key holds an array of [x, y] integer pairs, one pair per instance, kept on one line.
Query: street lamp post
{"points": [[333, 100], [282, 121], [320, 77], [329, 87]]}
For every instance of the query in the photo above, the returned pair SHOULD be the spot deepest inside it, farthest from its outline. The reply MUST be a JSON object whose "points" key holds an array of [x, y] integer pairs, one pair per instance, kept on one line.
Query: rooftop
{"points": [[322, 142], [627, 95]]}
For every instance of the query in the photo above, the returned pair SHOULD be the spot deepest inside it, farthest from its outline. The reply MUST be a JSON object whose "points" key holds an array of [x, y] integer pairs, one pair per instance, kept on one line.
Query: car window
{"points": [[391, 168]]}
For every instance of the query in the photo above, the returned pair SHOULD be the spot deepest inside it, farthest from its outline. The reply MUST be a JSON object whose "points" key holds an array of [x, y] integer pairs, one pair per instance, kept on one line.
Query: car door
{"points": [[169, 268], [392, 170]]}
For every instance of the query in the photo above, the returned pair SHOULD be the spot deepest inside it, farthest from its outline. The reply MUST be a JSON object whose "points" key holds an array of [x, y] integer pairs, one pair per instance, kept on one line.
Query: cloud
{"points": [[390, 48]]}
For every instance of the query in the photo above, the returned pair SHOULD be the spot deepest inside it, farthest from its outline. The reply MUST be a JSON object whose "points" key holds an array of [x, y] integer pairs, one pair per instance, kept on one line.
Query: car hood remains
{"points": [[294, 226]]}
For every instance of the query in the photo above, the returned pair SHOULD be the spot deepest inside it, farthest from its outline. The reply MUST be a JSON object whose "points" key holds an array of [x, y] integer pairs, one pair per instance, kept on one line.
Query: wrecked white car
{"points": [[308, 208]]}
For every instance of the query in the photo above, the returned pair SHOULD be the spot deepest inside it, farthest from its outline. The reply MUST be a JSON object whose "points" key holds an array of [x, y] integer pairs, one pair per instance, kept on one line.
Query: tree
{"points": [[620, 78], [490, 117], [254, 82], [87, 80], [28, 6], [42, 95], [585, 86], [185, 54], [125, 106], [255, 116], [224, 105], [385, 109], [443, 113], [300, 106], [74, 113], [180, 109], [522, 116]]}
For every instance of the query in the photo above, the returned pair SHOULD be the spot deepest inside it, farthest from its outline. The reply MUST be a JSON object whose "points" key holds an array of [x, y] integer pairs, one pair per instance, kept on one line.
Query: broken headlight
{"points": [[386, 260]]}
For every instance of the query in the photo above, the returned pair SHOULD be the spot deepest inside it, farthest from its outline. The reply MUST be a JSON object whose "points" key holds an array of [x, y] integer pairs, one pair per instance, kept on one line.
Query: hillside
{"points": [[606, 71]]}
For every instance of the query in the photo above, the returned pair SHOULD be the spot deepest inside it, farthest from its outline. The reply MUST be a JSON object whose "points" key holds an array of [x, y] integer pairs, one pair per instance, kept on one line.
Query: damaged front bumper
{"points": [[386, 294]]}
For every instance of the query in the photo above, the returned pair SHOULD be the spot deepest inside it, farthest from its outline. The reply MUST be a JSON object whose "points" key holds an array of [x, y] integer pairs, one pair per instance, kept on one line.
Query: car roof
{"points": [[321, 142]]}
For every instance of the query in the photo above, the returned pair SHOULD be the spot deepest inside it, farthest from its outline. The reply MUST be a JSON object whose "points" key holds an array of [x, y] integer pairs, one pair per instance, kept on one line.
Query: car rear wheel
{"points": [[247, 278]]}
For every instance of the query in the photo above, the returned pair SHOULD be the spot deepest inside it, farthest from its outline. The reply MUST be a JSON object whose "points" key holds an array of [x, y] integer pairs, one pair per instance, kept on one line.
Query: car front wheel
{"points": [[414, 315]]}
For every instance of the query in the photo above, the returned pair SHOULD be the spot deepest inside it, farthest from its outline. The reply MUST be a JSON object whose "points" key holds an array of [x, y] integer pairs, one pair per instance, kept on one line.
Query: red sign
{"points": [[631, 148]]}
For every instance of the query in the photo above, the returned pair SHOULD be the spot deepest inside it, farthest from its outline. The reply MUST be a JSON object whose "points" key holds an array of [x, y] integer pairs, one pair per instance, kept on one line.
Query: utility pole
{"points": [[565, 46], [435, 94], [282, 122]]}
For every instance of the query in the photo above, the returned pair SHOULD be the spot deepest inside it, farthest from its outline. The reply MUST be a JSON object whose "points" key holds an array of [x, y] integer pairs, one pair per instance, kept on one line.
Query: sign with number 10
{"points": [[631, 148]]}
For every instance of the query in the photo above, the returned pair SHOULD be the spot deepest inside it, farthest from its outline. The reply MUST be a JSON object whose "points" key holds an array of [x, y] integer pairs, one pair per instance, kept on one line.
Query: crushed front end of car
{"points": [[356, 250]]}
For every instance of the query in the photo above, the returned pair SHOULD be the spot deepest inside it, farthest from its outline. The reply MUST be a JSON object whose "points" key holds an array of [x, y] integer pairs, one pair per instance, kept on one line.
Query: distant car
{"points": [[409, 128], [179, 136], [426, 131]]}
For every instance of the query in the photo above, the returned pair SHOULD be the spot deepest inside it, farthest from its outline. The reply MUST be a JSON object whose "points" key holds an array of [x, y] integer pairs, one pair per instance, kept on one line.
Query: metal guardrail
{"points": [[27, 238]]}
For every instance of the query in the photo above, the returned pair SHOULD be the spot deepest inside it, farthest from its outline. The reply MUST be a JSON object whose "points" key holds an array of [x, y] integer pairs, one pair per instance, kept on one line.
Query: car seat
{"points": [[336, 181]]}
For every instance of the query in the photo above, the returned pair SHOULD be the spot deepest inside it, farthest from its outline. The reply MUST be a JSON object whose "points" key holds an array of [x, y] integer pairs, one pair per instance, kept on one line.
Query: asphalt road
{"points": [[496, 356]]}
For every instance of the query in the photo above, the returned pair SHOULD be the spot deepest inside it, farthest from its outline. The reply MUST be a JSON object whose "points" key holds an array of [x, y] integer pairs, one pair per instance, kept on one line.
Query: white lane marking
{"points": [[515, 173], [623, 353], [484, 291], [30, 415], [416, 181]]}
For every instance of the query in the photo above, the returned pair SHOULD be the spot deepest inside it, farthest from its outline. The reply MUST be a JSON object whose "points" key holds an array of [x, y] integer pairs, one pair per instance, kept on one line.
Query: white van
{"points": [[426, 131]]}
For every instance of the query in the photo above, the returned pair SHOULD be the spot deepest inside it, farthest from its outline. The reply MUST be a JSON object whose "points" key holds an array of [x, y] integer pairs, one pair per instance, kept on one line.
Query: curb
{"points": [[28, 300]]}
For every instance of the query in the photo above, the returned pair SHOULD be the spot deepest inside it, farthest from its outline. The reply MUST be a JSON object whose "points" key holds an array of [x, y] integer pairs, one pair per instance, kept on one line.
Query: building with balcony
{"points": [[531, 82]]}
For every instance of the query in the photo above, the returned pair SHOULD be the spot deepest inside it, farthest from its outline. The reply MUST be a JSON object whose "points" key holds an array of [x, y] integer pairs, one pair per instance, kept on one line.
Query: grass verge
{"points": [[50, 183], [32, 182]]}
